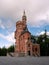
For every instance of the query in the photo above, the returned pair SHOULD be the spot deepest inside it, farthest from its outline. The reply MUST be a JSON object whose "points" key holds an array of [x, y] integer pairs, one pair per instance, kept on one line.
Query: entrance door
{"points": [[29, 53]]}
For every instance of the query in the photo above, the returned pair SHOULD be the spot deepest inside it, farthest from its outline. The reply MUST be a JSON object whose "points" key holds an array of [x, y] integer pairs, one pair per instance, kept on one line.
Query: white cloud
{"points": [[41, 33], [36, 10], [9, 37], [1, 24]]}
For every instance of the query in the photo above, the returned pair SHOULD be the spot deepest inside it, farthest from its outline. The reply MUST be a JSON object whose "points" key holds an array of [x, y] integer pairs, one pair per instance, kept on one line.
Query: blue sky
{"points": [[37, 12]]}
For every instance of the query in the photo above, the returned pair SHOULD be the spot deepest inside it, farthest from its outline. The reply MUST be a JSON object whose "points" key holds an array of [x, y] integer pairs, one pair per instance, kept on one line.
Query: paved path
{"points": [[24, 60]]}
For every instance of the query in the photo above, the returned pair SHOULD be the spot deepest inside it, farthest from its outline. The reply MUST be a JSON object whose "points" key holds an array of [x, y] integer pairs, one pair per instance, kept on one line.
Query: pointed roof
{"points": [[24, 13], [24, 16]]}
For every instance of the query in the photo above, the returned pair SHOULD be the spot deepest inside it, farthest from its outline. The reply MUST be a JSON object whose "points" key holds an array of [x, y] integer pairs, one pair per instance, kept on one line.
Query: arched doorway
{"points": [[29, 53]]}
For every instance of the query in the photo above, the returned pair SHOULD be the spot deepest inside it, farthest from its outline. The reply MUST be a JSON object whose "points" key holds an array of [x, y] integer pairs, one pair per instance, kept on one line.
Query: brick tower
{"points": [[23, 45]]}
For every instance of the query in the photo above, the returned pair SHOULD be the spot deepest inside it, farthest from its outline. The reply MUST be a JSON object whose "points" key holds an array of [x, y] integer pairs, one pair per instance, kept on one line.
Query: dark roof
{"points": [[25, 30]]}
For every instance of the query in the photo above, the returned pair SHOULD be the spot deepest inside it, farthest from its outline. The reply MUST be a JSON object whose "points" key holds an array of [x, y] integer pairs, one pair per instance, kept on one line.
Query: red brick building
{"points": [[24, 45]]}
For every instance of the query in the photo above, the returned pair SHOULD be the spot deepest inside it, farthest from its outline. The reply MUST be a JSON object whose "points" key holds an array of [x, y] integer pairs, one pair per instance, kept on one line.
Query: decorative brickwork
{"points": [[23, 45]]}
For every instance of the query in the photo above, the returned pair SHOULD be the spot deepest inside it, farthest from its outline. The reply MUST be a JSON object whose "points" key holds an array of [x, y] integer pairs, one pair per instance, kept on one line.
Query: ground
{"points": [[24, 60]]}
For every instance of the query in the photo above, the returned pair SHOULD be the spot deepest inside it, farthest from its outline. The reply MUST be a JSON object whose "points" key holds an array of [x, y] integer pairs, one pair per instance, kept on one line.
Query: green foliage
{"points": [[11, 48], [3, 51], [43, 40], [0, 51]]}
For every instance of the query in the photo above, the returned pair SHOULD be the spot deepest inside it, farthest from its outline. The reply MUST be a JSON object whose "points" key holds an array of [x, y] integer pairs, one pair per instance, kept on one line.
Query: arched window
{"points": [[28, 45], [28, 38], [33, 49], [36, 49]]}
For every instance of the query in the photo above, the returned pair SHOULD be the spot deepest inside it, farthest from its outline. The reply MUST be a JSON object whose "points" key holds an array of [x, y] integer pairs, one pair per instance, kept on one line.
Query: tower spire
{"points": [[24, 13], [24, 16]]}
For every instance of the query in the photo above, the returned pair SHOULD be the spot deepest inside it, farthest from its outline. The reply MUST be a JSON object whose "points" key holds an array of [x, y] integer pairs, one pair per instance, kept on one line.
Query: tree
{"points": [[11, 48], [43, 40], [0, 51], [40, 41], [3, 51]]}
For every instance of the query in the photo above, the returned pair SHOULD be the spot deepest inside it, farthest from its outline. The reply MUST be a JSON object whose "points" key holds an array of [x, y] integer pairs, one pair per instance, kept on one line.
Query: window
{"points": [[22, 48], [29, 53], [33, 49], [36, 49], [23, 36], [28, 45], [28, 38]]}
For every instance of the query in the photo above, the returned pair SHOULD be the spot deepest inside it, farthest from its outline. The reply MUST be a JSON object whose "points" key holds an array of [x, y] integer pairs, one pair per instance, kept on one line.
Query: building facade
{"points": [[24, 45]]}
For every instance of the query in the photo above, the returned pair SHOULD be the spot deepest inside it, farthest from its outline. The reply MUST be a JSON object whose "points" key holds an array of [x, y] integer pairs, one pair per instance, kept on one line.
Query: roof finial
{"points": [[24, 13]]}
